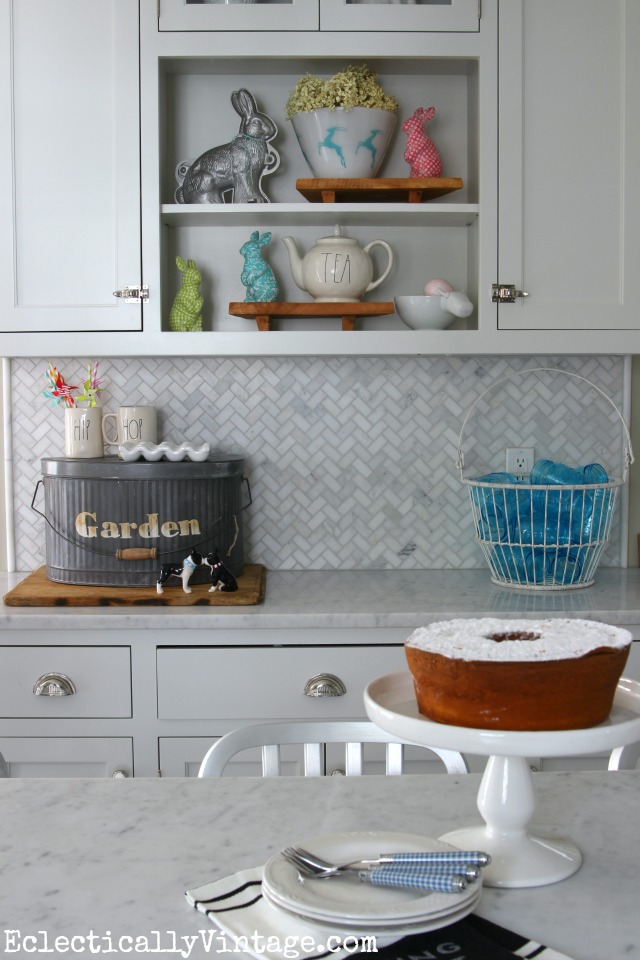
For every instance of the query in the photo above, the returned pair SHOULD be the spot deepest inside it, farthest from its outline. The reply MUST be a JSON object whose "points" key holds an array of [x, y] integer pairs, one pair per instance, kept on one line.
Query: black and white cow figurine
{"points": [[221, 578], [182, 570]]}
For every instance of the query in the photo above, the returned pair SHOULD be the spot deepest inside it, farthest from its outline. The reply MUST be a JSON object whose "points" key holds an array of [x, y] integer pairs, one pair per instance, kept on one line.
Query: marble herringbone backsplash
{"points": [[351, 460]]}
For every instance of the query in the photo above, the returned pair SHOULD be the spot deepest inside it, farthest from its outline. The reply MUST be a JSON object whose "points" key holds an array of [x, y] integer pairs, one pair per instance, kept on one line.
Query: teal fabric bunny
{"points": [[257, 276], [186, 312]]}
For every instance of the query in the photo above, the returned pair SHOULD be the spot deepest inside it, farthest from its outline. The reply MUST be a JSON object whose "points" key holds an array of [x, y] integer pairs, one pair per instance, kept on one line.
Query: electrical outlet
{"points": [[519, 460]]}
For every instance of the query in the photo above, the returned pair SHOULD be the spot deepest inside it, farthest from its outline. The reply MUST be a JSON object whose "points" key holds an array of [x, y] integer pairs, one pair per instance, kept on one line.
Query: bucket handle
{"points": [[127, 553], [628, 456]]}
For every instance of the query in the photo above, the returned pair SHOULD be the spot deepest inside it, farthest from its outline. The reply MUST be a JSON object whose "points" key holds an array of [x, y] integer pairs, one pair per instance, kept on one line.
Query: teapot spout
{"points": [[294, 261]]}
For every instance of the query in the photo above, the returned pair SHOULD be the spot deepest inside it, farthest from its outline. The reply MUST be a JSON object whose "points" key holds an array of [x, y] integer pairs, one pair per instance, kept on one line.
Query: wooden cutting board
{"points": [[36, 591]]}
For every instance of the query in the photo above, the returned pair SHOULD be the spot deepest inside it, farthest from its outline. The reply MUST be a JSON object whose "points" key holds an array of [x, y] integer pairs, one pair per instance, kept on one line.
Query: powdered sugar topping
{"points": [[517, 640]]}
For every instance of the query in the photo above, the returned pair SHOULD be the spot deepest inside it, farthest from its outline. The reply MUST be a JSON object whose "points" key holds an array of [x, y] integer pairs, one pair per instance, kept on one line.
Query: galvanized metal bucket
{"points": [[112, 523]]}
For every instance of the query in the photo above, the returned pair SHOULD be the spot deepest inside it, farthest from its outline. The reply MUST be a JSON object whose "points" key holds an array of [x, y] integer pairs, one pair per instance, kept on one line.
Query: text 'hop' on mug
{"points": [[132, 425]]}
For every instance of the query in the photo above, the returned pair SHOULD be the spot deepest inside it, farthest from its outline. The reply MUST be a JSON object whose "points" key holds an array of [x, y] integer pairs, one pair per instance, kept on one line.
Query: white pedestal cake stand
{"points": [[506, 797]]}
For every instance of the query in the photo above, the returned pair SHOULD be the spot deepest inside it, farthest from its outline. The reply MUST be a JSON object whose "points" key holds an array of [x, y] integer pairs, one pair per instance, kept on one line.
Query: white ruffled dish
{"points": [[156, 451], [361, 903]]}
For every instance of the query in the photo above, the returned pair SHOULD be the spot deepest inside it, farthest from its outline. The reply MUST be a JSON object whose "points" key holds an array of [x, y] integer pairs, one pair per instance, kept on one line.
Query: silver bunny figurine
{"points": [[238, 165]]}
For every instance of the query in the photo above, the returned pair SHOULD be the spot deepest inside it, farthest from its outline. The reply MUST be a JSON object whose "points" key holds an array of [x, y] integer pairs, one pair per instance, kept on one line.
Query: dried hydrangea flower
{"points": [[352, 87]]}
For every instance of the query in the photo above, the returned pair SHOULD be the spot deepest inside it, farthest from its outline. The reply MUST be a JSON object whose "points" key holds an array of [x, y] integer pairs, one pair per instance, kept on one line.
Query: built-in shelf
{"points": [[228, 214]]}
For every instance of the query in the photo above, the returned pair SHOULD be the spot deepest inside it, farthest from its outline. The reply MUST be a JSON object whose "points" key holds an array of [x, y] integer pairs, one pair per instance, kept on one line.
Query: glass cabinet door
{"points": [[398, 15], [238, 15]]}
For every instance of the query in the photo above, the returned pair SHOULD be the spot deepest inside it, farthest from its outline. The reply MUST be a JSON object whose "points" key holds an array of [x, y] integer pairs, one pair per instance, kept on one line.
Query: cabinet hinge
{"points": [[138, 294], [506, 293]]}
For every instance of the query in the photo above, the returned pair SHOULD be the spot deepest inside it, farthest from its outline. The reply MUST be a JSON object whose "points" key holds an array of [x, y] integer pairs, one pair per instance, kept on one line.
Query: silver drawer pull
{"points": [[325, 685], [54, 685], [119, 775]]}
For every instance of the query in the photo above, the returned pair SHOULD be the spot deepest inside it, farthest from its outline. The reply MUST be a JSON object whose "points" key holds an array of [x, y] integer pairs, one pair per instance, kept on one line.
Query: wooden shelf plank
{"points": [[264, 313], [377, 190]]}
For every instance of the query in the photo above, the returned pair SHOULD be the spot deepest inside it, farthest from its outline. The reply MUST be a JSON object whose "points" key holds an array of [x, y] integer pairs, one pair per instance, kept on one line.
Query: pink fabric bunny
{"points": [[421, 153]]}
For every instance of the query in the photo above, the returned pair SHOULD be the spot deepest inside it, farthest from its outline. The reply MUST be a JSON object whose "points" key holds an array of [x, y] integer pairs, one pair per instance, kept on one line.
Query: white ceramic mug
{"points": [[82, 432], [132, 425]]}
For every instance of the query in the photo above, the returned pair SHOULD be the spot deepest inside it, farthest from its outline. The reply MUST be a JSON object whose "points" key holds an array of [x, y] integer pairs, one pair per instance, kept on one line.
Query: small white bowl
{"points": [[423, 313]]}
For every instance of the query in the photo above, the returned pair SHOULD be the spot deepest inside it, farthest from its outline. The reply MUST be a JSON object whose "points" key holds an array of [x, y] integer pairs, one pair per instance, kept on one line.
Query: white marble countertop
{"points": [[355, 598], [115, 856]]}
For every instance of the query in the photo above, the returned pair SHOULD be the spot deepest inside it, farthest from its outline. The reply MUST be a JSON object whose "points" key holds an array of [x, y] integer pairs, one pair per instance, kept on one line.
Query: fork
{"points": [[440, 860], [384, 876]]}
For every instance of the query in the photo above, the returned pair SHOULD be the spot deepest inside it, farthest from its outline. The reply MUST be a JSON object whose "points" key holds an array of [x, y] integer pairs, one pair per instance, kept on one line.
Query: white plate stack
{"points": [[351, 907]]}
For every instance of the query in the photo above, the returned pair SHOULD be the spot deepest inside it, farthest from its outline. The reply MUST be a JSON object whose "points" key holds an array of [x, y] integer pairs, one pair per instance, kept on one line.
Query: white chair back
{"points": [[625, 758], [315, 735]]}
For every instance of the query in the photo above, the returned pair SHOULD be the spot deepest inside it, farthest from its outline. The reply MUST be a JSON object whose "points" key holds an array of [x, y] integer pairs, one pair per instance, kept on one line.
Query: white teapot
{"points": [[336, 268]]}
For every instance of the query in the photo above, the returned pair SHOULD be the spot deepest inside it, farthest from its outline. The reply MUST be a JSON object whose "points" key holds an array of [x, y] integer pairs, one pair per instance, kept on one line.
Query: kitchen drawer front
{"points": [[100, 676], [68, 756], [206, 683]]}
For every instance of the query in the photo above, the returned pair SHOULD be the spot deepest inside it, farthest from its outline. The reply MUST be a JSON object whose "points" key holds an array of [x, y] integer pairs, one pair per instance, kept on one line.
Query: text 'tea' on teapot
{"points": [[336, 268]]}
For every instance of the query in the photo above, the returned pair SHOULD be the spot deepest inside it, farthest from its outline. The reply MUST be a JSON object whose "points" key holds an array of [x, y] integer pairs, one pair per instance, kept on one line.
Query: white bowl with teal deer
{"points": [[344, 143]]}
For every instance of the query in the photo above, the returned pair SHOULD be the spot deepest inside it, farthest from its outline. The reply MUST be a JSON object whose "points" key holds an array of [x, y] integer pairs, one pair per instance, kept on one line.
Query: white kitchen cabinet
{"points": [[539, 123], [569, 197], [493, 91], [325, 15], [188, 91], [68, 756], [69, 165]]}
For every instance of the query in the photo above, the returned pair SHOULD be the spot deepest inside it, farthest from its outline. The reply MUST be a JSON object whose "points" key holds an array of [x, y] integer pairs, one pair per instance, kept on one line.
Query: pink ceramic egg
{"points": [[437, 287]]}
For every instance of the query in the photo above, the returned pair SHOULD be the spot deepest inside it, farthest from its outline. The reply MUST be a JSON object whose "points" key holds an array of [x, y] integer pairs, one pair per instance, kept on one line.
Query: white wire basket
{"points": [[543, 536]]}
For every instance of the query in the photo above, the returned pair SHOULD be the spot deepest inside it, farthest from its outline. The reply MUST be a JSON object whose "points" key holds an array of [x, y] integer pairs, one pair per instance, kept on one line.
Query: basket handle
{"points": [[628, 457]]}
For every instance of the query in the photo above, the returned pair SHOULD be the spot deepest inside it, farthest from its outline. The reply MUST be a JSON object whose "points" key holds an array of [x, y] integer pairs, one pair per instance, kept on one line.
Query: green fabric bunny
{"points": [[186, 312]]}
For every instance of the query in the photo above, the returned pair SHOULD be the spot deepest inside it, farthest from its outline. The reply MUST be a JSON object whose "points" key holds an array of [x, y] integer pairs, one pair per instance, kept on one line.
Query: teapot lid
{"points": [[337, 235]]}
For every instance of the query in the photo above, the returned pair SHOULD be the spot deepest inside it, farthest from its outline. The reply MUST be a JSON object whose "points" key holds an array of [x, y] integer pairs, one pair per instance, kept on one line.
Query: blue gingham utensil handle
{"points": [[476, 857], [398, 877]]}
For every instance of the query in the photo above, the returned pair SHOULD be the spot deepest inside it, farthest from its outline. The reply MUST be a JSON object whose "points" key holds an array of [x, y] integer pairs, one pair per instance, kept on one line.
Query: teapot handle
{"points": [[385, 274]]}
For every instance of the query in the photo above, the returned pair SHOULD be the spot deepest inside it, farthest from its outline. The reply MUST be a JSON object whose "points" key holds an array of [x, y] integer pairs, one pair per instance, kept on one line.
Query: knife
{"points": [[418, 879], [451, 857]]}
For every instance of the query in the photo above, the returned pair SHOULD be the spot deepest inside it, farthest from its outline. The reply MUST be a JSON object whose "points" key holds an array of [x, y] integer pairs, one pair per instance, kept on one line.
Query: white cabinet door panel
{"points": [[264, 15], [182, 756], [358, 15], [68, 756], [69, 165], [569, 197]]}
